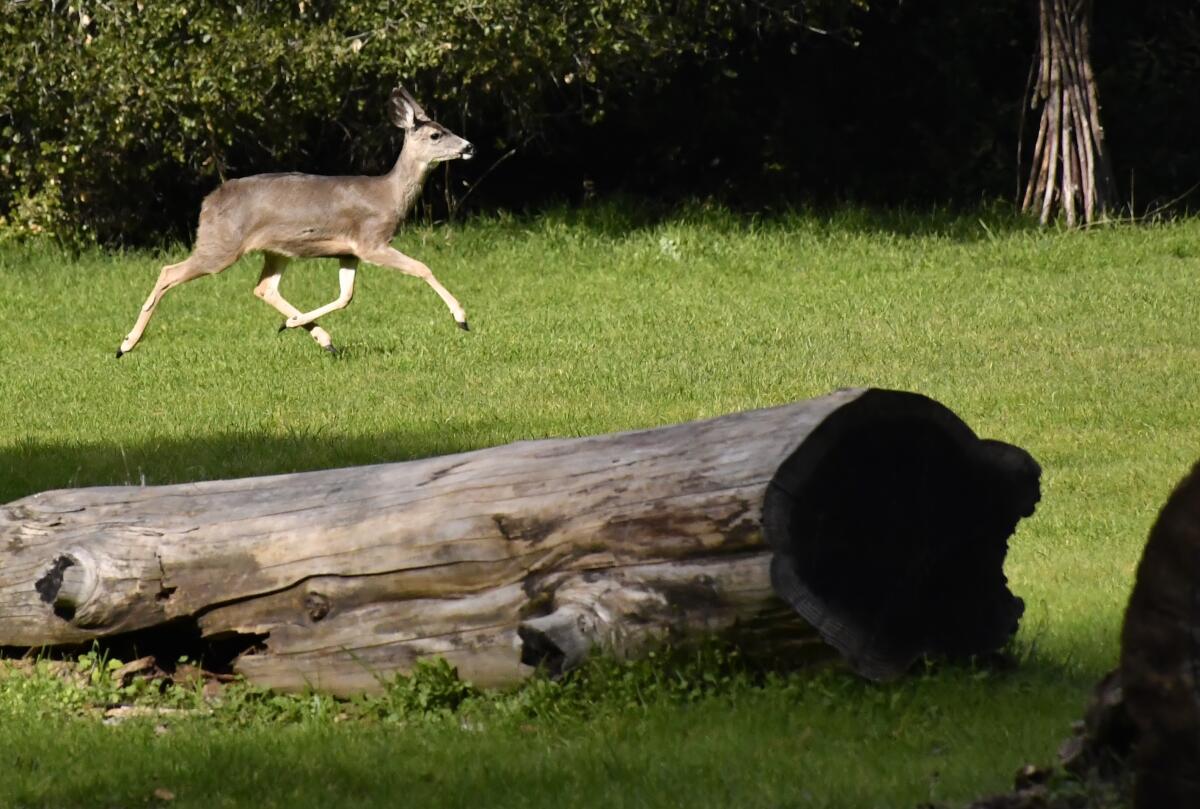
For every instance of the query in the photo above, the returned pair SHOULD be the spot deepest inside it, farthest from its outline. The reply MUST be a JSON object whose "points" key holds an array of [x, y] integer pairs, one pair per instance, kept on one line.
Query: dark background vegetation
{"points": [[116, 119]]}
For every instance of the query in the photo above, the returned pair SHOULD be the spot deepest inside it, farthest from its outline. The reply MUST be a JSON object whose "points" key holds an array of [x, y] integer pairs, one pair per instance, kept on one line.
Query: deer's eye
{"points": [[435, 135]]}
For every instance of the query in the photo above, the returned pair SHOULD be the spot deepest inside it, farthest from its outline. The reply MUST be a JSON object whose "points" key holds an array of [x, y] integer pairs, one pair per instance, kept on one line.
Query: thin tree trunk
{"points": [[1070, 173]]}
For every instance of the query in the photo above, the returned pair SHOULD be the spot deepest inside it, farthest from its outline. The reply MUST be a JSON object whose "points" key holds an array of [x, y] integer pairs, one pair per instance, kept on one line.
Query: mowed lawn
{"points": [[1082, 347]]}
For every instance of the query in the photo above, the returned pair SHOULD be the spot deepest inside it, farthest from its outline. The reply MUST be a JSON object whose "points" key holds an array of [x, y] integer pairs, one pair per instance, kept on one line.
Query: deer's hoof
{"points": [[333, 351], [462, 324], [282, 327], [120, 353]]}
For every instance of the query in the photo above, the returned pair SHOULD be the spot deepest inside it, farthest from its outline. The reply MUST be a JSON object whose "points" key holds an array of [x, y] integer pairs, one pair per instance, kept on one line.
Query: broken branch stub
{"points": [[874, 522]]}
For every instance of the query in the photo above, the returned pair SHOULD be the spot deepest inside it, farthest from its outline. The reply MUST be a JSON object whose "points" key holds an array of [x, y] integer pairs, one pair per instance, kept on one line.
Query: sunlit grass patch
{"points": [[1080, 347]]}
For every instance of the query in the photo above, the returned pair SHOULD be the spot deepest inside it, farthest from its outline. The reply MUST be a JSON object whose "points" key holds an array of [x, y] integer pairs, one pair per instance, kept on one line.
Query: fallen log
{"points": [[874, 522]]}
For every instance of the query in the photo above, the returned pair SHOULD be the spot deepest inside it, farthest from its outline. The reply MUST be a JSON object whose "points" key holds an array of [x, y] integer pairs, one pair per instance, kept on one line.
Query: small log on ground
{"points": [[872, 521]]}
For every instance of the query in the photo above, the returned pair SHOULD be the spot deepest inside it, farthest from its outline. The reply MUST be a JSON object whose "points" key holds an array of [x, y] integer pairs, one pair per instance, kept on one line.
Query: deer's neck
{"points": [[407, 178]]}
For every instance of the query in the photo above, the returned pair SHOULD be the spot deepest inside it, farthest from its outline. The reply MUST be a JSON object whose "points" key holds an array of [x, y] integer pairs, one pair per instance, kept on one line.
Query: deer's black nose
{"points": [[468, 151]]}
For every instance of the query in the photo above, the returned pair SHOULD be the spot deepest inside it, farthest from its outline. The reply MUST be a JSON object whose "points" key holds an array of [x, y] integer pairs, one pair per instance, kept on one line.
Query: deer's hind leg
{"points": [[194, 266], [348, 268], [268, 290]]}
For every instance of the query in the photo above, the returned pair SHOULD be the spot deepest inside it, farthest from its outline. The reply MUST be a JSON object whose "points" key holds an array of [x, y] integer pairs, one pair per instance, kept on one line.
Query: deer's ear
{"points": [[412, 102], [401, 110]]}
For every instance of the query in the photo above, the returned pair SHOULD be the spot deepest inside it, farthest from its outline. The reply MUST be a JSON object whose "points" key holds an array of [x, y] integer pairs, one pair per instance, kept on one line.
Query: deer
{"points": [[294, 215]]}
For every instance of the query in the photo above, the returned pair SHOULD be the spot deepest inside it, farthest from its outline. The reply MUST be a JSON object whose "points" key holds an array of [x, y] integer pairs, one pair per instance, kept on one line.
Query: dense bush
{"points": [[116, 118], [1148, 63]]}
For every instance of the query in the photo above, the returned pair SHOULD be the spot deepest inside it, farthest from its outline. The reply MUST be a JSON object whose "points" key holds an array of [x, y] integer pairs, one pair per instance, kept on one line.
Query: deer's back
{"points": [[297, 214]]}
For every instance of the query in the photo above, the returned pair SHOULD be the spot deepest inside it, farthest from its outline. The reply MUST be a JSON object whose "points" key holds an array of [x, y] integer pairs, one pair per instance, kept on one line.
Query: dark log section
{"points": [[1160, 655], [1139, 743], [877, 517]]}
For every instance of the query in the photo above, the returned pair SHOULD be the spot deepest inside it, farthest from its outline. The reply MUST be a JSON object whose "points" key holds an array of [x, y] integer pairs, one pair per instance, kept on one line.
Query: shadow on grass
{"points": [[620, 217], [617, 217], [33, 466]]}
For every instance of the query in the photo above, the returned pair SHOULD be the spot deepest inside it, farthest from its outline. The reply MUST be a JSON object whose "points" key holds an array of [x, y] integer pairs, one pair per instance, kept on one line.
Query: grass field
{"points": [[1081, 347]]}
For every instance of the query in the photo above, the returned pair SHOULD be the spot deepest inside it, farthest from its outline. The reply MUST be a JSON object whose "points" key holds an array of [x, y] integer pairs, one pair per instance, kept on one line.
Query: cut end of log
{"points": [[890, 525]]}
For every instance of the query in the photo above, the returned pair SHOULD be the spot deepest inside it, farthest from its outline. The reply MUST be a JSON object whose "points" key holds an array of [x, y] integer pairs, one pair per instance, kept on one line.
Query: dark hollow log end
{"points": [[1160, 654], [890, 525]]}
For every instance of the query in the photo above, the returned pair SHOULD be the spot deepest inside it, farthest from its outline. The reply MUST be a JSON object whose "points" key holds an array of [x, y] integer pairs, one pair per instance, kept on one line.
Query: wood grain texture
{"points": [[499, 560]]}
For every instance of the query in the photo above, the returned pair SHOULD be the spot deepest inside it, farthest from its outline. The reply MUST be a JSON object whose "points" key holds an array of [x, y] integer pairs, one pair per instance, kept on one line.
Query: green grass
{"points": [[692, 729], [1081, 347], [821, 742]]}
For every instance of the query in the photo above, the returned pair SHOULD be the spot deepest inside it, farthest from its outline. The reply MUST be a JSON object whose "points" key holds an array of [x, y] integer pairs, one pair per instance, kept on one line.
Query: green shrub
{"points": [[117, 117]]}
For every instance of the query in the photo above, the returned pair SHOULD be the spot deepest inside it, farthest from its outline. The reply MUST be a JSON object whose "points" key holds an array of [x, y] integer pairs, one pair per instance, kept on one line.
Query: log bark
{"points": [[867, 521]]}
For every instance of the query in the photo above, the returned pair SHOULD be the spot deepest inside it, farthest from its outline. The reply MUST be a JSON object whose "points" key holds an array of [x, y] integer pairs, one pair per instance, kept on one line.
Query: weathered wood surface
{"points": [[876, 516]]}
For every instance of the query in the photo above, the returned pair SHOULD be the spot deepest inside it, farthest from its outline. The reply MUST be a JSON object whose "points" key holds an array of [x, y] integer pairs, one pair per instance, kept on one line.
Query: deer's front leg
{"points": [[390, 257], [346, 294]]}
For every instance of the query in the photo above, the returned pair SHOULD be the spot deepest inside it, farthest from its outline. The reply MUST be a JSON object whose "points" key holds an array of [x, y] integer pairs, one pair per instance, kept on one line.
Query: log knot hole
{"points": [[316, 606], [67, 585]]}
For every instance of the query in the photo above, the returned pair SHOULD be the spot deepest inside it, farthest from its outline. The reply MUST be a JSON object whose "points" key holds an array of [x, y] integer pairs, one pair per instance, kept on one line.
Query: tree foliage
{"points": [[116, 118], [111, 112]]}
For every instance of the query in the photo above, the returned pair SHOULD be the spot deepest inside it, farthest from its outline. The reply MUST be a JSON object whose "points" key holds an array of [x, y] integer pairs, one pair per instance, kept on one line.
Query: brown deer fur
{"points": [[296, 215]]}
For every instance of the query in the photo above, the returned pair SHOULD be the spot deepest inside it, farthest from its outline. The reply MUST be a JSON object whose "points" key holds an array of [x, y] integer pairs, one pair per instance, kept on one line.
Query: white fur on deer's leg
{"points": [[346, 283], [460, 315], [139, 327], [268, 291], [391, 257]]}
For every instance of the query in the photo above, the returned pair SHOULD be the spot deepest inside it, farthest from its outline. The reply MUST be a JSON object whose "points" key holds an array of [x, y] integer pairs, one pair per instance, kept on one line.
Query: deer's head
{"points": [[427, 141]]}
